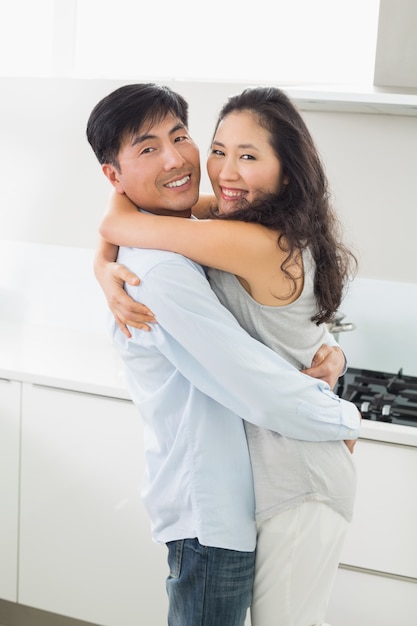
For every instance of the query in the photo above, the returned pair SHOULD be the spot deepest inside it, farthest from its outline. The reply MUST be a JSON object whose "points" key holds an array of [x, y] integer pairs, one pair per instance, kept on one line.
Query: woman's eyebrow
{"points": [[243, 146]]}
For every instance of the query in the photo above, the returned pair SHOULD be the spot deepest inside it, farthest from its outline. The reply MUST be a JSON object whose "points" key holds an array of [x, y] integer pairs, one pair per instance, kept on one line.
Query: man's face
{"points": [[159, 168]]}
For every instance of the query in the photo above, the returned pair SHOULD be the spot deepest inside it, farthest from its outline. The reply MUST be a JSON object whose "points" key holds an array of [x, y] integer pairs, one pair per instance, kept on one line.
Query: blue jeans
{"points": [[208, 586]]}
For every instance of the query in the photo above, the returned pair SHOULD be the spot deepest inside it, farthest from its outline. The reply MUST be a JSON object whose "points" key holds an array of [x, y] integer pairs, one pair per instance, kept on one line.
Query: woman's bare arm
{"points": [[328, 363], [202, 209], [245, 249]]}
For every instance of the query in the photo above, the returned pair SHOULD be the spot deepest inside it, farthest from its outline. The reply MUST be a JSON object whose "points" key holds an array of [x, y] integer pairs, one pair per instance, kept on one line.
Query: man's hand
{"points": [[350, 443], [328, 364]]}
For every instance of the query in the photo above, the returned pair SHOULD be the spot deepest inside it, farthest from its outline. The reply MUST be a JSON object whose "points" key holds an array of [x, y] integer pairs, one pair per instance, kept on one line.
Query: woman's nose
{"points": [[228, 171]]}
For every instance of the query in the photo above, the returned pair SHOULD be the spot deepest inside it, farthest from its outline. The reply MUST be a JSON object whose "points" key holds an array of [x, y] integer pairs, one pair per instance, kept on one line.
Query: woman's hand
{"points": [[126, 311], [112, 277]]}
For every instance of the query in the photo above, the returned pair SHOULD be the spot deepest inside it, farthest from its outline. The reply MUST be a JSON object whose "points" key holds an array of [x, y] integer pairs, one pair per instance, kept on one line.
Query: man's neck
{"points": [[184, 213]]}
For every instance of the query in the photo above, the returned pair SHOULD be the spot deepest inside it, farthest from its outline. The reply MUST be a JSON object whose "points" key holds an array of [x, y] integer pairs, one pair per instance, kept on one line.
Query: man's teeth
{"points": [[178, 183]]}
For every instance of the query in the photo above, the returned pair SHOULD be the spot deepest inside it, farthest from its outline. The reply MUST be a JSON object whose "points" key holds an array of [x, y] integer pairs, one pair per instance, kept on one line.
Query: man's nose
{"points": [[173, 158]]}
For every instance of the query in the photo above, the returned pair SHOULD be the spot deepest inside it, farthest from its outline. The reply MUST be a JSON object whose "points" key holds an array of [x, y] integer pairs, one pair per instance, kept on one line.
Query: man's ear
{"points": [[113, 175]]}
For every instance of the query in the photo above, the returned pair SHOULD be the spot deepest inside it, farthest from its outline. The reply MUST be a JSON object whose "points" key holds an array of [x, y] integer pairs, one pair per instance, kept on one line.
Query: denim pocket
{"points": [[175, 552]]}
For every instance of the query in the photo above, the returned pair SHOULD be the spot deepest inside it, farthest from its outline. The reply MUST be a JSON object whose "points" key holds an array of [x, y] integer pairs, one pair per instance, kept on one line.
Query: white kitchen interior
{"points": [[75, 546]]}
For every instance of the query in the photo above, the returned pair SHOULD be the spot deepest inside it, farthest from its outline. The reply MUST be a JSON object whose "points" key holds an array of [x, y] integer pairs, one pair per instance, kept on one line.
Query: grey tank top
{"points": [[288, 472]]}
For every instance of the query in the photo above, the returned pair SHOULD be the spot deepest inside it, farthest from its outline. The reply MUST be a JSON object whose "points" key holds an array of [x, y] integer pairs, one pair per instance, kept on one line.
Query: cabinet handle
{"points": [[76, 391]]}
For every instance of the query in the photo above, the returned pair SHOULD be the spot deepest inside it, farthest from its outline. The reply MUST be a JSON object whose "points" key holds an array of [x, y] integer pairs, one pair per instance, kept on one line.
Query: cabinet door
{"points": [[382, 535], [9, 486], [363, 599], [85, 544]]}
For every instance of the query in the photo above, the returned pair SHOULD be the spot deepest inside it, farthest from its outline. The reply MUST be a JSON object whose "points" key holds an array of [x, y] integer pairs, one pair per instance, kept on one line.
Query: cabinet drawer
{"points": [[382, 535], [362, 599]]}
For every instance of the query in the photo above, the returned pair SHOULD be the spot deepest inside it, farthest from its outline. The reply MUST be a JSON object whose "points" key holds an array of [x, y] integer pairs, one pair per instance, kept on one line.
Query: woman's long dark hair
{"points": [[301, 211]]}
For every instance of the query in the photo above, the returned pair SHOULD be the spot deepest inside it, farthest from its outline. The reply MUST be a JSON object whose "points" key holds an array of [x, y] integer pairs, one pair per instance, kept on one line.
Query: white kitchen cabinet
{"points": [[9, 486], [366, 599], [382, 535], [379, 585], [85, 544]]}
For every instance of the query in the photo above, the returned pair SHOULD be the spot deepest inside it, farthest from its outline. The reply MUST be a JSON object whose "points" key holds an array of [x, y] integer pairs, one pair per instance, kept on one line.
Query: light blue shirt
{"points": [[193, 377]]}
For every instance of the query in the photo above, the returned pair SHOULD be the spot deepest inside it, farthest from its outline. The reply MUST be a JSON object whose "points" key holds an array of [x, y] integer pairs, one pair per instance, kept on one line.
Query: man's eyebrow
{"points": [[137, 139], [141, 138]]}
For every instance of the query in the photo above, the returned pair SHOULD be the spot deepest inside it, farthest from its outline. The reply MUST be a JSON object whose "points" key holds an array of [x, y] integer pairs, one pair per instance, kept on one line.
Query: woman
{"points": [[275, 262]]}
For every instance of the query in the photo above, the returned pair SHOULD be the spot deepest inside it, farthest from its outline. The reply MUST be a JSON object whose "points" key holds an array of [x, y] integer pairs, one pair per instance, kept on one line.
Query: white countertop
{"points": [[87, 362], [389, 433], [69, 359]]}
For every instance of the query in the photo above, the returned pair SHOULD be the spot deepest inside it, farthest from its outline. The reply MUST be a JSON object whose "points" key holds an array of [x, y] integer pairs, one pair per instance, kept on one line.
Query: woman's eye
{"points": [[217, 152], [247, 157]]}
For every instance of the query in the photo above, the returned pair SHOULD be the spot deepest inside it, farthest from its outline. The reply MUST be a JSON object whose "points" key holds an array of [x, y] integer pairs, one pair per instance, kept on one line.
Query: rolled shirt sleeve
{"points": [[203, 341]]}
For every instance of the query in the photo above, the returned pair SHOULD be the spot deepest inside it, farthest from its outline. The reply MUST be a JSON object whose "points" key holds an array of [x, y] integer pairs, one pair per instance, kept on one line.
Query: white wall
{"points": [[53, 192], [371, 162], [396, 50]]}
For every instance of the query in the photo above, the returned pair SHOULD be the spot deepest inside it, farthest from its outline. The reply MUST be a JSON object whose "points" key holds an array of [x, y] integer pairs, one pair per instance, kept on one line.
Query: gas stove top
{"points": [[381, 396]]}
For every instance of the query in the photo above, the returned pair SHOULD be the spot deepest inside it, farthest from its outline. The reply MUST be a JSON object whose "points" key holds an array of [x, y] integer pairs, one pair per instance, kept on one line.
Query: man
{"points": [[197, 374]]}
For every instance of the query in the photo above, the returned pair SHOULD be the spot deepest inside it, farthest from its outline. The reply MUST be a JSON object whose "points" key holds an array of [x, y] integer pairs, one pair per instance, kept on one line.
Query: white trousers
{"points": [[297, 556]]}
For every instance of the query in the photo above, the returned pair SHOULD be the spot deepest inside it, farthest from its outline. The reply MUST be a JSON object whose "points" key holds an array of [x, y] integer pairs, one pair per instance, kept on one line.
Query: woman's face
{"points": [[242, 162]]}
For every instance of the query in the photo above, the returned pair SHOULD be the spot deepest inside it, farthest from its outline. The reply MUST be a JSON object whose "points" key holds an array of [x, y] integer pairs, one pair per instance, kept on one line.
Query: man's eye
{"points": [[181, 138]]}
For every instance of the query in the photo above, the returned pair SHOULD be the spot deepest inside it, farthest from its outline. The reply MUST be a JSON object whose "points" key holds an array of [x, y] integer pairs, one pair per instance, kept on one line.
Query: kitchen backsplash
{"points": [[385, 316], [48, 285]]}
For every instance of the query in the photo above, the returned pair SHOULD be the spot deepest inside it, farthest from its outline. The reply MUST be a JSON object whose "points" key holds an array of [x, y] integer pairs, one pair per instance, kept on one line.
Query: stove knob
{"points": [[365, 406], [386, 413]]}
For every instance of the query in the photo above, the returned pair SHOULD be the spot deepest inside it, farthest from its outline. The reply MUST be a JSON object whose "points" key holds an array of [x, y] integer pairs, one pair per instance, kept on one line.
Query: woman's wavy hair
{"points": [[301, 211]]}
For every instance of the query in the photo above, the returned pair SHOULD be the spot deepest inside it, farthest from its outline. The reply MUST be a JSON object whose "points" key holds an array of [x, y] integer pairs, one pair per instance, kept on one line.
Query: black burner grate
{"points": [[381, 396]]}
